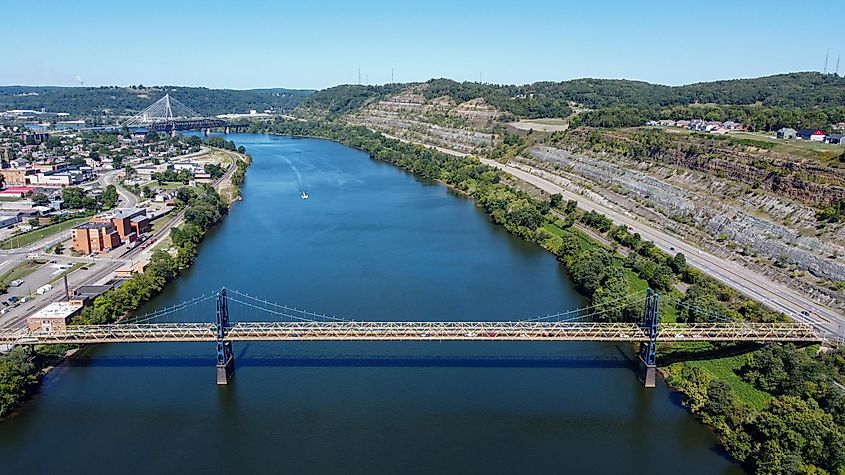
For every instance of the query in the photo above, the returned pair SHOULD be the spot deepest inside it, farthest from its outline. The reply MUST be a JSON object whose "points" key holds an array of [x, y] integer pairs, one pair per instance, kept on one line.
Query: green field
{"points": [[724, 369], [20, 271], [27, 238], [804, 148], [823, 152], [547, 121]]}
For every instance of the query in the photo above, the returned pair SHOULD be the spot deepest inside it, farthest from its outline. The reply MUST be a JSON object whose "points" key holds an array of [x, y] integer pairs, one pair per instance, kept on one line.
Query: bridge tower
{"points": [[225, 356], [648, 349]]}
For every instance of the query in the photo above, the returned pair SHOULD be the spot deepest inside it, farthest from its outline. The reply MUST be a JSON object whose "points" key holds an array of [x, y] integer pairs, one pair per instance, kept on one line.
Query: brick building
{"points": [[95, 237], [53, 318], [129, 222]]}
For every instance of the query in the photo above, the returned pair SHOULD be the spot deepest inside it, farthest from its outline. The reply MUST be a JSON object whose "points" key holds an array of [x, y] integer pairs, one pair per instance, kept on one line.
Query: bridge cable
{"points": [[603, 304]]}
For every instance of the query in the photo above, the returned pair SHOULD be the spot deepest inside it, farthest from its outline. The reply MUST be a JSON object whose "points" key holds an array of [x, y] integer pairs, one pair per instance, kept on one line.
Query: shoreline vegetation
{"points": [[23, 368], [775, 408]]}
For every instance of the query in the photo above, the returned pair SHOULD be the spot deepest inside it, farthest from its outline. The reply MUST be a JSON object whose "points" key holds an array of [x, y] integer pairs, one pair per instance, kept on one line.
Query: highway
{"points": [[752, 284]]}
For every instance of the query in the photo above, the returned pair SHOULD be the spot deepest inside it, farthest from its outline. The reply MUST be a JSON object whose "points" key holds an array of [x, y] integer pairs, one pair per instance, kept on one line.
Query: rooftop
{"points": [[57, 310], [95, 225]]}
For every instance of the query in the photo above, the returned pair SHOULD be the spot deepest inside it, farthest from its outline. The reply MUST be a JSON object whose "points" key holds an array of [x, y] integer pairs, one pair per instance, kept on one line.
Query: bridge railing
{"points": [[417, 331]]}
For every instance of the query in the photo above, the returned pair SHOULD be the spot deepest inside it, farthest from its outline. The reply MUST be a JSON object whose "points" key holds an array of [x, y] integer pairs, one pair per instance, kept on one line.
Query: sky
{"points": [[314, 44]]}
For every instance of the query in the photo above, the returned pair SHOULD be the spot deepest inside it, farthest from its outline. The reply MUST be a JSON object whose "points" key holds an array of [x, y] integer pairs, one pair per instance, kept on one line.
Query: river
{"points": [[371, 243]]}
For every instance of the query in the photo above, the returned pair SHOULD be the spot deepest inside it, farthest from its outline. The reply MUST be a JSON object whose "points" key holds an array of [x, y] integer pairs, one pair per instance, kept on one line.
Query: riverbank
{"points": [[23, 369], [719, 387]]}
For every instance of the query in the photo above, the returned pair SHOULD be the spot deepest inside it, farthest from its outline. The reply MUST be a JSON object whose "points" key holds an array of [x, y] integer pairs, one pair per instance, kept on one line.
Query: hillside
{"points": [[92, 101], [745, 197], [803, 90]]}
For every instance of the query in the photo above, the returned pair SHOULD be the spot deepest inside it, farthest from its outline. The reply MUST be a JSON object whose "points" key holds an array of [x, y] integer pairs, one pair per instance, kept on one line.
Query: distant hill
{"points": [[91, 101], [803, 90], [551, 99]]}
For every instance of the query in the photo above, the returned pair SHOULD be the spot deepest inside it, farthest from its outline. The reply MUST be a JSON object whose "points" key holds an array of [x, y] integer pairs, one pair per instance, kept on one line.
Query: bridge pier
{"points": [[648, 349], [225, 355], [226, 370]]}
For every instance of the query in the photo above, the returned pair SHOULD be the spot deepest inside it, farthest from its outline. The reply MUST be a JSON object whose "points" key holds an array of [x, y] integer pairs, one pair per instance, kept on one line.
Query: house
{"points": [[786, 133], [838, 139], [816, 135]]}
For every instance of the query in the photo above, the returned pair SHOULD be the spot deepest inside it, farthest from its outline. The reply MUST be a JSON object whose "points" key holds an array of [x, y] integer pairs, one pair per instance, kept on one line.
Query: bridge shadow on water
{"points": [[355, 361]]}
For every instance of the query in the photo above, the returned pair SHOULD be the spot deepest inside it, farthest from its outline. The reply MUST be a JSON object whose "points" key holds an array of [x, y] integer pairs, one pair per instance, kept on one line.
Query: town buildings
{"points": [[110, 230]]}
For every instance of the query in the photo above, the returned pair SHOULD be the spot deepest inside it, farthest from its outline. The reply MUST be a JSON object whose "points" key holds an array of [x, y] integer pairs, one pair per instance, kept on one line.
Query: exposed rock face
{"points": [[716, 206], [786, 175], [438, 122]]}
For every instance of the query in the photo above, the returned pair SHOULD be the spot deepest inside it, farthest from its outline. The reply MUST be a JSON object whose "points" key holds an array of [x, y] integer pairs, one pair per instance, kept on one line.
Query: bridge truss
{"points": [[415, 331], [302, 325]]}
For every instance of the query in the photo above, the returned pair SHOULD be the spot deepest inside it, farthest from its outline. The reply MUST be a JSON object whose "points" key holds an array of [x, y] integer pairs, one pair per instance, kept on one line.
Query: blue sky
{"points": [[316, 44]]}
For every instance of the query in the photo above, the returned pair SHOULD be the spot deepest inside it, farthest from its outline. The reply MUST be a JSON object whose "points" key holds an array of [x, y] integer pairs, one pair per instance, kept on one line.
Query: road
{"points": [[756, 286], [101, 268], [127, 199]]}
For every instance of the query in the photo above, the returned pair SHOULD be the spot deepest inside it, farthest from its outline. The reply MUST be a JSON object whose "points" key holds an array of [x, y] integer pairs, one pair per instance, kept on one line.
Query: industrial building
{"points": [[110, 230], [54, 317], [95, 237]]}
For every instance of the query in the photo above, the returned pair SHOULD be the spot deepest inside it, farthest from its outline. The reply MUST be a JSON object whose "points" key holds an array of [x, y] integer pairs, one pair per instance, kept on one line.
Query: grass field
{"points": [[724, 369], [823, 152], [805, 148], [20, 271], [25, 239]]}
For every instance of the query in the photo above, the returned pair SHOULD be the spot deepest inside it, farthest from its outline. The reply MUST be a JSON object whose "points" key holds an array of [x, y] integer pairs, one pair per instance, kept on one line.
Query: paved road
{"points": [[756, 286], [127, 199]]}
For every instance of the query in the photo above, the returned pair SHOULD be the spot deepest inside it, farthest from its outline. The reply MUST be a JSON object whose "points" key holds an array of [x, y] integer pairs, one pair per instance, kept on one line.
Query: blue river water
{"points": [[371, 243]]}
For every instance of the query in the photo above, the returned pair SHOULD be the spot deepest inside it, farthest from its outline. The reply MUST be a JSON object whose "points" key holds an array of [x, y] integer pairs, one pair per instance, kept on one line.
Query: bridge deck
{"points": [[417, 331]]}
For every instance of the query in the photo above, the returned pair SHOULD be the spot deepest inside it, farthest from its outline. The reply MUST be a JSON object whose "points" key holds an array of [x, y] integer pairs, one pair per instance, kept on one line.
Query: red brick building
{"points": [[95, 237]]}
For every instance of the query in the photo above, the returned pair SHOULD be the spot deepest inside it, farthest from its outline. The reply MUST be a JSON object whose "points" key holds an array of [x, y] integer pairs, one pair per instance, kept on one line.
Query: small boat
{"points": [[303, 195]]}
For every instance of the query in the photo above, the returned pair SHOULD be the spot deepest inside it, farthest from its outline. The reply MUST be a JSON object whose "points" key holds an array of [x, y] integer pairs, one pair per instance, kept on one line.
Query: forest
{"points": [[95, 101]]}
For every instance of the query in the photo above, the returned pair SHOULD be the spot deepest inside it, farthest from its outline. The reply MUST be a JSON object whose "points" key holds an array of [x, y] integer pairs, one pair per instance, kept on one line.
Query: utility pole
{"points": [[837, 64], [826, 54]]}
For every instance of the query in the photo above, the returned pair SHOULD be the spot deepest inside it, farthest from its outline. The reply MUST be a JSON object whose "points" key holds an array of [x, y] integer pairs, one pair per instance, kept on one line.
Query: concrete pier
{"points": [[226, 371], [647, 374]]}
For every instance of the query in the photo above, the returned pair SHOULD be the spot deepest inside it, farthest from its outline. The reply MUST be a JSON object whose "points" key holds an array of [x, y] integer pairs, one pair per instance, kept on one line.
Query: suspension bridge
{"points": [[170, 115], [174, 324]]}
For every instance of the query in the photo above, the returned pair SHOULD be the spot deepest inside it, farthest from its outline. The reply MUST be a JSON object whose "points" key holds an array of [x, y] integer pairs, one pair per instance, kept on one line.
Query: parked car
{"points": [[16, 283]]}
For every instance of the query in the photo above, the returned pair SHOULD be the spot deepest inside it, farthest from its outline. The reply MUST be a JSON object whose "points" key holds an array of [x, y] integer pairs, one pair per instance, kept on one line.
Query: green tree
{"points": [[17, 379], [75, 198], [40, 199], [109, 197]]}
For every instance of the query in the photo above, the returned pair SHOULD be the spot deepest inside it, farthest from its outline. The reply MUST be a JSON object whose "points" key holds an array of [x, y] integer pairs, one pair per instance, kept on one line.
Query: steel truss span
{"points": [[415, 331]]}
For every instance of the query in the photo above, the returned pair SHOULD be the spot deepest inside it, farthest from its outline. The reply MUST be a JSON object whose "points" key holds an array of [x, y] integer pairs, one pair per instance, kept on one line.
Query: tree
{"points": [[151, 136], [609, 299], [720, 400], [679, 263], [40, 199], [117, 162], [555, 199], [214, 169], [33, 222], [75, 198], [109, 197], [17, 378]]}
